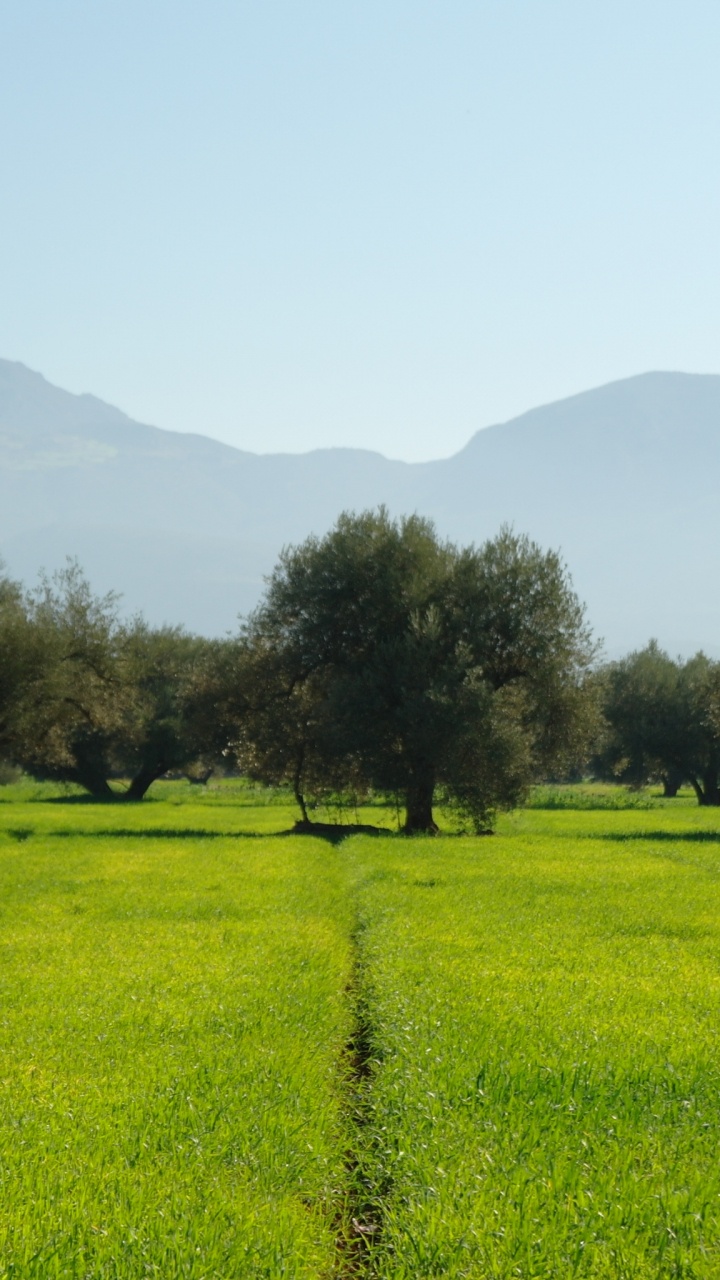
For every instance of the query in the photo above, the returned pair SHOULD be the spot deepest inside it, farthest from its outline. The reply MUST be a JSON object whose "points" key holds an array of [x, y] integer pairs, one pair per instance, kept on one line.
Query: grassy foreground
{"points": [[540, 1010], [173, 1013]]}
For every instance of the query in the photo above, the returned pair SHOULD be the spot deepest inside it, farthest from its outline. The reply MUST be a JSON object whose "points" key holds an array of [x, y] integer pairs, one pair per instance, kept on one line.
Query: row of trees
{"points": [[380, 660]]}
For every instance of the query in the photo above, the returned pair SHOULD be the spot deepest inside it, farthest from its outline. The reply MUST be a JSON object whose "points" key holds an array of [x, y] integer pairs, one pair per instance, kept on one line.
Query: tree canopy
{"points": [[663, 722], [96, 697], [383, 657]]}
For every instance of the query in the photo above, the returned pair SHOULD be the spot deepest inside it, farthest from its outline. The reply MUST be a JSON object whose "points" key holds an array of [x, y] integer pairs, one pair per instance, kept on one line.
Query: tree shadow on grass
{"points": [[118, 798], [141, 833], [155, 833], [335, 832]]}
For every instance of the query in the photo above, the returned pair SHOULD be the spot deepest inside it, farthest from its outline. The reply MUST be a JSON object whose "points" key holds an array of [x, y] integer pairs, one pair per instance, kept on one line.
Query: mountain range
{"points": [[624, 480]]}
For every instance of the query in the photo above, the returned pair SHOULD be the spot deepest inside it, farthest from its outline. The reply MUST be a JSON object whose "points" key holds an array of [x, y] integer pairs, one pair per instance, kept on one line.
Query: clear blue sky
{"points": [[356, 222]]}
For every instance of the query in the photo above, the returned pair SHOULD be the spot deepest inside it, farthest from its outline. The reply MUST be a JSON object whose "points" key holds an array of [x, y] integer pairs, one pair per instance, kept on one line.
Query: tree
{"points": [[713, 706], [699, 681], [284, 729], [663, 722], [213, 704], [73, 711], [646, 735], [21, 660], [108, 698], [396, 661], [163, 671]]}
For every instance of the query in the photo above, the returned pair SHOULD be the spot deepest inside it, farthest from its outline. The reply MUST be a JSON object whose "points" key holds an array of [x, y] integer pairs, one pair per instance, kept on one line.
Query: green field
{"points": [[220, 1046]]}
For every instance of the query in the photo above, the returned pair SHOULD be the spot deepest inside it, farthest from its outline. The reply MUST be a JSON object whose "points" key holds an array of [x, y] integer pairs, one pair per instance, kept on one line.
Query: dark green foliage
{"points": [[102, 698], [166, 672], [21, 660], [384, 658], [644, 715], [699, 681], [74, 710], [662, 722]]}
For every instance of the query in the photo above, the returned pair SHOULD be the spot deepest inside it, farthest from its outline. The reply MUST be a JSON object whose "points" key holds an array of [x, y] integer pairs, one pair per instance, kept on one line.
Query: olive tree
{"points": [[74, 709], [21, 661], [165, 673], [699, 682], [397, 661], [108, 698], [646, 726], [663, 722]]}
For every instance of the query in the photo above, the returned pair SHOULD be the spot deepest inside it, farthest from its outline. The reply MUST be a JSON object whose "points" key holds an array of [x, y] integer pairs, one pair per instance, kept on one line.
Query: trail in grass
{"points": [[359, 1223]]}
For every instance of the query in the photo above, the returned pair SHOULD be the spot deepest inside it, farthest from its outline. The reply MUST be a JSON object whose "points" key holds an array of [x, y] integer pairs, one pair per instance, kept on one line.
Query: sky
{"points": [[370, 223]]}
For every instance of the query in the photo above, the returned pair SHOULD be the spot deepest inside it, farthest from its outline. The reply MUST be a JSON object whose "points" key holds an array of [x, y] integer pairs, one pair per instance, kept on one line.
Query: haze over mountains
{"points": [[624, 479]]}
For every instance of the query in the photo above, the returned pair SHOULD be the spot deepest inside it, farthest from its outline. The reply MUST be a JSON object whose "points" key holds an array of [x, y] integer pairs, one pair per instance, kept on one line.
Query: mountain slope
{"points": [[624, 479]]}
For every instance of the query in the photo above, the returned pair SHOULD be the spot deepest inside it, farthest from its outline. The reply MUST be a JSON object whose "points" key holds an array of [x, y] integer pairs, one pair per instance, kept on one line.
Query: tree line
{"points": [[381, 660]]}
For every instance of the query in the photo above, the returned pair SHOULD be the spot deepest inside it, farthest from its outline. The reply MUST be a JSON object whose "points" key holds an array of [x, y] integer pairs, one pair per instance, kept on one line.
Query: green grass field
{"points": [[219, 1045]]}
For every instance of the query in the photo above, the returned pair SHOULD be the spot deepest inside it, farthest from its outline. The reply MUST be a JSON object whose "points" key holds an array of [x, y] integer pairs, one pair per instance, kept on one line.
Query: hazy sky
{"points": [[382, 223]]}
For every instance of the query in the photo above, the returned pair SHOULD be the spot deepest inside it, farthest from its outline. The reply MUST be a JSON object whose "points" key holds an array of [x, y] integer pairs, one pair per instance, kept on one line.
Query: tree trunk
{"points": [[710, 787], [99, 787], [707, 789], [143, 780], [297, 785], [418, 809], [96, 784], [301, 803], [672, 782]]}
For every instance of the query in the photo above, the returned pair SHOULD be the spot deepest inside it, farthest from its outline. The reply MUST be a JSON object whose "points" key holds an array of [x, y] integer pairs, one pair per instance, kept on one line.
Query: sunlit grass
{"points": [[178, 983], [172, 1016], [598, 795], [545, 1013]]}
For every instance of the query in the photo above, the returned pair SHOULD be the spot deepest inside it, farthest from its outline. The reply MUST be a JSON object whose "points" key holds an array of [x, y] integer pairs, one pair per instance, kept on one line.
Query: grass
{"points": [[172, 1017], [593, 796], [540, 1011], [545, 1011]]}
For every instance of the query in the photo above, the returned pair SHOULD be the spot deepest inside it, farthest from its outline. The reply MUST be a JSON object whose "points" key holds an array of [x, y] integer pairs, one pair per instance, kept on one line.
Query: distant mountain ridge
{"points": [[624, 479]]}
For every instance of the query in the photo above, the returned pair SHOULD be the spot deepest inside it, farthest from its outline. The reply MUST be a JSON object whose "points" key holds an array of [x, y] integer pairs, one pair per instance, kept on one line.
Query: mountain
{"points": [[624, 479]]}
